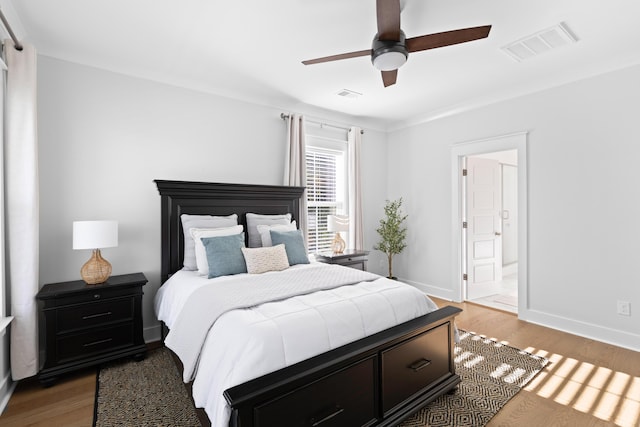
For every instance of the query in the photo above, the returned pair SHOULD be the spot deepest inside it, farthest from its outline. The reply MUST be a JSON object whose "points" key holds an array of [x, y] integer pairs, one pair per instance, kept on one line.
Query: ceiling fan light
{"points": [[389, 55], [389, 61]]}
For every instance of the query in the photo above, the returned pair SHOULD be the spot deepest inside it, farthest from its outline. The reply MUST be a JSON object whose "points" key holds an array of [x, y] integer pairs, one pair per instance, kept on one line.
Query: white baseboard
{"points": [[152, 333], [564, 324], [435, 291], [7, 386], [583, 329]]}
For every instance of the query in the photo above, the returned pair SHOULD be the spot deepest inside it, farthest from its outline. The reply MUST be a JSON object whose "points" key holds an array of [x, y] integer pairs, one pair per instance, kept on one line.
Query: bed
{"points": [[375, 377]]}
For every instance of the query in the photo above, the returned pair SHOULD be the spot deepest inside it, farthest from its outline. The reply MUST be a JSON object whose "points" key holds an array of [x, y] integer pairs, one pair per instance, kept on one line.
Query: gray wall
{"points": [[105, 137], [583, 209]]}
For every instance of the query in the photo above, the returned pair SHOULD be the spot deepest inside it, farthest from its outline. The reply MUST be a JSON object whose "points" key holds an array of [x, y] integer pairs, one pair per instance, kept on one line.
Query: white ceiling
{"points": [[252, 49]]}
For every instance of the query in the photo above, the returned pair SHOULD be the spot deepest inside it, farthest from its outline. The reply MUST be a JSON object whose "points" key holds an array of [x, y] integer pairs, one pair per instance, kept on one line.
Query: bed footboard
{"points": [[376, 381]]}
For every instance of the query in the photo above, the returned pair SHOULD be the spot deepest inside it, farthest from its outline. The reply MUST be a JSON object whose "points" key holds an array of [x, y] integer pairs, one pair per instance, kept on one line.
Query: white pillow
{"points": [[201, 253], [261, 260], [265, 234], [253, 220], [200, 221]]}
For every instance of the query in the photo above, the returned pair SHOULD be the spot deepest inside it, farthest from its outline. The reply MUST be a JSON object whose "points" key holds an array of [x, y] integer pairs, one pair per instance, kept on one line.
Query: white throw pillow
{"points": [[265, 231], [253, 220], [201, 253], [261, 260]]}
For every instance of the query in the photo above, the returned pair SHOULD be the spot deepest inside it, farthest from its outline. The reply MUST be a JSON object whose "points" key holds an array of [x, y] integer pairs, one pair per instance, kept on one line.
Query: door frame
{"points": [[459, 151]]}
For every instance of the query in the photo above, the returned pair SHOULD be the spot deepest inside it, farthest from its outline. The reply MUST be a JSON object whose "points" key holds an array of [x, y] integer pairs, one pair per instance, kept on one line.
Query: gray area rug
{"points": [[151, 393], [491, 374], [143, 394]]}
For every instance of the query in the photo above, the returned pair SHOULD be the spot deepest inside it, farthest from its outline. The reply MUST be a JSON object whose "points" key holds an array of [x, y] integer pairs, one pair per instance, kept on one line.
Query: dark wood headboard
{"points": [[206, 198]]}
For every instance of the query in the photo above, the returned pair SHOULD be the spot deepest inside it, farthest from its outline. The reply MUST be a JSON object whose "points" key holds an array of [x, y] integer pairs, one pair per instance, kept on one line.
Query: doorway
{"points": [[490, 249]]}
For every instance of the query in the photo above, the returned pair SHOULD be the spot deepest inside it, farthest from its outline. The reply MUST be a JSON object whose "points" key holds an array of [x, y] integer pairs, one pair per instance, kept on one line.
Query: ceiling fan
{"points": [[391, 48]]}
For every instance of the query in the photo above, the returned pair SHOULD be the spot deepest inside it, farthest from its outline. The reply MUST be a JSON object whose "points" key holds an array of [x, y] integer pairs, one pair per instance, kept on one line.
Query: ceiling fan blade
{"points": [[388, 12], [447, 38], [389, 77], [337, 57]]}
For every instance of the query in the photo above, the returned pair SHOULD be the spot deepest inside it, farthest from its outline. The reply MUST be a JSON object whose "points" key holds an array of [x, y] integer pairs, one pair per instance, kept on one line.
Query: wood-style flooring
{"points": [[587, 383]]}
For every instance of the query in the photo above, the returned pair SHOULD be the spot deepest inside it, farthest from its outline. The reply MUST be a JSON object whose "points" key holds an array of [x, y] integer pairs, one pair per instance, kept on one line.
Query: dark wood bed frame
{"points": [[379, 380]]}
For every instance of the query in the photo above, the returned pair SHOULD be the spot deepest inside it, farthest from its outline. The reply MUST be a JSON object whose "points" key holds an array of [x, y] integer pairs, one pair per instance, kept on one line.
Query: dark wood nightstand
{"points": [[83, 325], [350, 258]]}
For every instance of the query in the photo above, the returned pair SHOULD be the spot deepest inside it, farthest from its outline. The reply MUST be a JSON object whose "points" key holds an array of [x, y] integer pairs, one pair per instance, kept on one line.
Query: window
{"points": [[326, 188]]}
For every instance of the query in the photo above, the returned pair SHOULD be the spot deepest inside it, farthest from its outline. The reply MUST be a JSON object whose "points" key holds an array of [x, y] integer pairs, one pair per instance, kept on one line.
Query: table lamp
{"points": [[95, 235], [338, 223]]}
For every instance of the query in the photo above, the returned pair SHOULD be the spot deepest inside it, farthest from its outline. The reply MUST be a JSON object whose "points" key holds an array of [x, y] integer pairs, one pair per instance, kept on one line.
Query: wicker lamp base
{"points": [[96, 270], [338, 244]]}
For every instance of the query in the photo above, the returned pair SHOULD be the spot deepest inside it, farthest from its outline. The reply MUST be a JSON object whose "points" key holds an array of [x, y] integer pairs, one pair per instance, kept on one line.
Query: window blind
{"points": [[323, 194]]}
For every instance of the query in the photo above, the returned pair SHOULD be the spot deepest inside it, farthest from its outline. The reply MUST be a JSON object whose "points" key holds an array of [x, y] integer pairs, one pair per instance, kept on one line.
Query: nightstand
{"points": [[83, 325], [350, 258]]}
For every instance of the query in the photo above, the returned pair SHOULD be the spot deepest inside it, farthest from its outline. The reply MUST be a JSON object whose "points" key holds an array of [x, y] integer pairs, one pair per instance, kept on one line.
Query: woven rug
{"points": [[151, 392], [143, 394], [491, 374]]}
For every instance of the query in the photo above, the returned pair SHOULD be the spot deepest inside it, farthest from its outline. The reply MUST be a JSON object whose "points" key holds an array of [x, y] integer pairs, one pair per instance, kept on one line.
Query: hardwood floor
{"points": [[68, 403], [587, 383]]}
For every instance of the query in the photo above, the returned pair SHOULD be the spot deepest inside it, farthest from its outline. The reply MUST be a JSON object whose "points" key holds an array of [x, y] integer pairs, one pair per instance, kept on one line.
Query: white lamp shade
{"points": [[338, 223], [95, 234]]}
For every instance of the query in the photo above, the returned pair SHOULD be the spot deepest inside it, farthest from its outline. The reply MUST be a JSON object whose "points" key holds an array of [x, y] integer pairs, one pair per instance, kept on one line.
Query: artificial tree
{"points": [[391, 231]]}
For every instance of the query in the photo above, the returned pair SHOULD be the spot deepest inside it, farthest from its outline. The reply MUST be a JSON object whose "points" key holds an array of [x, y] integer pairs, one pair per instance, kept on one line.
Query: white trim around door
{"points": [[459, 152]]}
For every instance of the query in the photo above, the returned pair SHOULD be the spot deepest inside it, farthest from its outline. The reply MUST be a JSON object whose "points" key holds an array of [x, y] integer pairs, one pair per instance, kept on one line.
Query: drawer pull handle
{"points": [[420, 364], [96, 296], [338, 410], [97, 342], [91, 316]]}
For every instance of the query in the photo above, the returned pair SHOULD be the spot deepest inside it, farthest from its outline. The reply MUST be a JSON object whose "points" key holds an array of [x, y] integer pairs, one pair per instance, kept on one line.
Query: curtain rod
{"points": [[284, 116], [16, 43]]}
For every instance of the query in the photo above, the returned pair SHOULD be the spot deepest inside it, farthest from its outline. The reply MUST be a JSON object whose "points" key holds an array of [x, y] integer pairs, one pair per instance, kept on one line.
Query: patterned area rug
{"points": [[491, 373], [143, 394], [151, 393]]}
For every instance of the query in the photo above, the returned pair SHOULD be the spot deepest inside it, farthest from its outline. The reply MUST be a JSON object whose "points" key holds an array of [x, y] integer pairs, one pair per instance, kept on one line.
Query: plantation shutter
{"points": [[322, 195]]}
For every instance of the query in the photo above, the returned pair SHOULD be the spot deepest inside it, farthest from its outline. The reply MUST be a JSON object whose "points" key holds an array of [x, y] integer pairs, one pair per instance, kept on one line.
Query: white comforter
{"points": [[246, 343]]}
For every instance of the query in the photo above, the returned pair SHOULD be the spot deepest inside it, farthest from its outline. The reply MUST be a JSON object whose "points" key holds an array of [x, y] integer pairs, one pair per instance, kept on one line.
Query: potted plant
{"points": [[391, 231]]}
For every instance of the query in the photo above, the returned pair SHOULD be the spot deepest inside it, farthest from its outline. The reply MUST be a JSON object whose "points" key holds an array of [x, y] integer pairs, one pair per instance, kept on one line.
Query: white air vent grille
{"points": [[349, 93], [540, 42]]}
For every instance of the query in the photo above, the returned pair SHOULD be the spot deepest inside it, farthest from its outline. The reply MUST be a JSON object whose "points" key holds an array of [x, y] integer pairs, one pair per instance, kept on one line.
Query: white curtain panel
{"points": [[295, 163], [21, 206], [356, 233]]}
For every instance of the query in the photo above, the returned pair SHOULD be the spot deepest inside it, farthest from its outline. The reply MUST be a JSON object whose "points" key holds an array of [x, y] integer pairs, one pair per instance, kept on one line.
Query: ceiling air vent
{"points": [[349, 94], [540, 42]]}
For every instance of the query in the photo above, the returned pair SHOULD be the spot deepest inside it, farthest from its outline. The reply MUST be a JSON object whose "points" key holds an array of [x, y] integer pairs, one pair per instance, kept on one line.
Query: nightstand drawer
{"points": [[349, 258], [95, 341], [92, 294], [98, 313], [414, 365], [354, 262]]}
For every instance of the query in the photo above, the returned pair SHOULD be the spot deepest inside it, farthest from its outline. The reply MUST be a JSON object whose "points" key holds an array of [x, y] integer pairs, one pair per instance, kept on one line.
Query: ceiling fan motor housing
{"points": [[388, 55]]}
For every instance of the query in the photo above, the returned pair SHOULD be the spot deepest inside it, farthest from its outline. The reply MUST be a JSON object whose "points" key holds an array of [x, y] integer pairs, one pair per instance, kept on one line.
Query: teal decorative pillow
{"points": [[224, 255], [200, 221], [293, 244], [201, 253]]}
